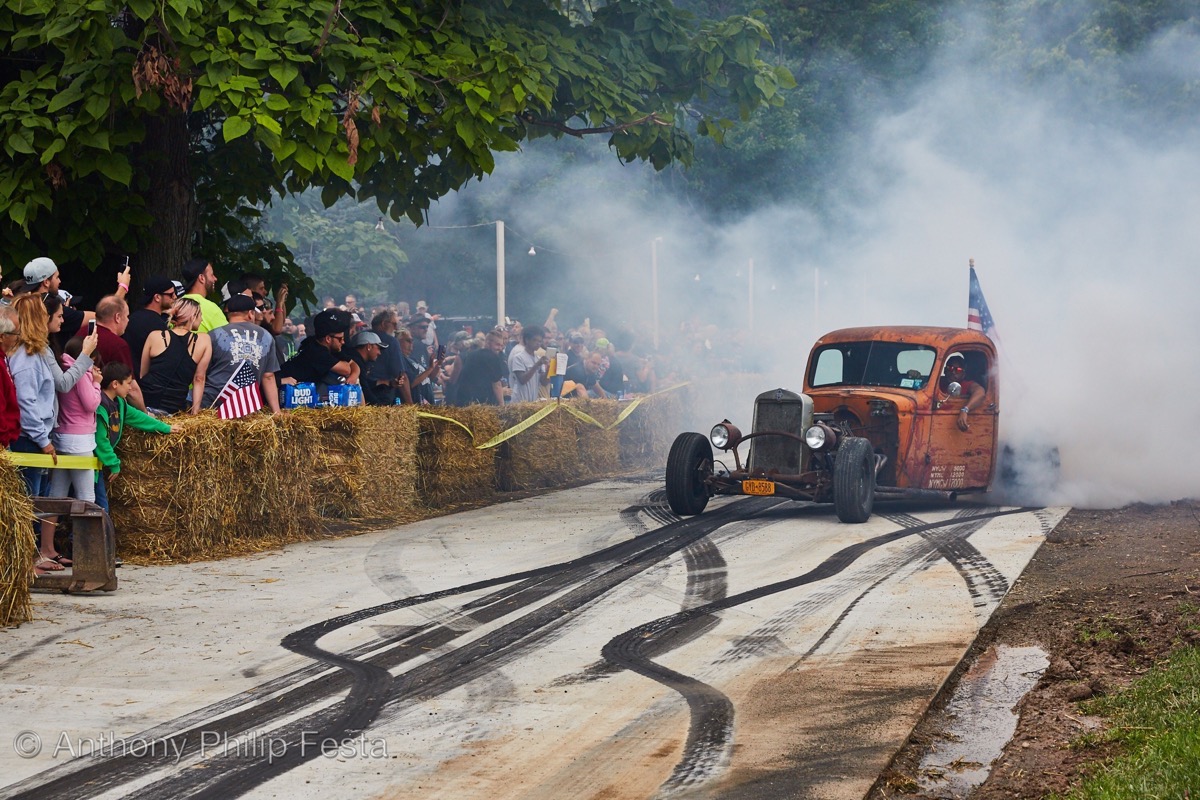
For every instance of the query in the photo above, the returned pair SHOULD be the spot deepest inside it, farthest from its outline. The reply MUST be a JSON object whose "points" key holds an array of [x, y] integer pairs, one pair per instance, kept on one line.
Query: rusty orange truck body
{"points": [[877, 418]]}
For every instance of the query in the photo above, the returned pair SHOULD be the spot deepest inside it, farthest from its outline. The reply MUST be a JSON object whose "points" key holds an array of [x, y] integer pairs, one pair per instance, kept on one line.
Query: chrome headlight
{"points": [[724, 435], [820, 437], [814, 437]]}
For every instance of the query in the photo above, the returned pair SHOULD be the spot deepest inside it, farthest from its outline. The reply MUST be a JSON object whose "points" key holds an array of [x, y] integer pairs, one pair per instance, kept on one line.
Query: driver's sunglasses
{"points": [[954, 368]]}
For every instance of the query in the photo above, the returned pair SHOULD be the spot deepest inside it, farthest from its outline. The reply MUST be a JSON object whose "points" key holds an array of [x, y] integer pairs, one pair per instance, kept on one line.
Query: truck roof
{"points": [[941, 338]]}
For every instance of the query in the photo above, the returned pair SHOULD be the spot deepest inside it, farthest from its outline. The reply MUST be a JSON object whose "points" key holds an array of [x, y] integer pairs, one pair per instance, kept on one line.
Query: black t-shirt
{"points": [[613, 380], [480, 370], [578, 372], [142, 322], [313, 364]]}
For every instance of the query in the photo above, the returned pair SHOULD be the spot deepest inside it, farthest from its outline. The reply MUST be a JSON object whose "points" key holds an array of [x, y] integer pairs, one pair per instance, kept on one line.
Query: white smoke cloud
{"points": [[1084, 233]]}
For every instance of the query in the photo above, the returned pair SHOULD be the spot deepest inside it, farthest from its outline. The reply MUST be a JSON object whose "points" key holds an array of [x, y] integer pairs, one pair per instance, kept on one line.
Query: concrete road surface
{"points": [[585, 643]]}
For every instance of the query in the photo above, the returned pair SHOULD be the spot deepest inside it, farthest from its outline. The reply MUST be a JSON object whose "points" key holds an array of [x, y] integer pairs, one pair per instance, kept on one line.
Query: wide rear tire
{"points": [[688, 465], [854, 480]]}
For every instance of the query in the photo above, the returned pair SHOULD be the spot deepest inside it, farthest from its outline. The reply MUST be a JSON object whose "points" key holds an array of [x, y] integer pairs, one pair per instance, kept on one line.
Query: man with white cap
{"points": [[41, 277], [365, 348]]}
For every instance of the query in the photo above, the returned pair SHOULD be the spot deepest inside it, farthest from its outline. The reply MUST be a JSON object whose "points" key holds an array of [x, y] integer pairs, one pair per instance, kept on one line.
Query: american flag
{"points": [[979, 318], [240, 395]]}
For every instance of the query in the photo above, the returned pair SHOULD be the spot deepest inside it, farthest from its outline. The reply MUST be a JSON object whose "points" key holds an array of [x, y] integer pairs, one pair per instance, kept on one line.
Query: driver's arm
{"points": [[975, 400]]}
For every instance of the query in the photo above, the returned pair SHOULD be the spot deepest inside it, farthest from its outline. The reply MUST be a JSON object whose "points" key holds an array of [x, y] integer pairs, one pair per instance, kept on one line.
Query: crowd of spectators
{"points": [[72, 380]]}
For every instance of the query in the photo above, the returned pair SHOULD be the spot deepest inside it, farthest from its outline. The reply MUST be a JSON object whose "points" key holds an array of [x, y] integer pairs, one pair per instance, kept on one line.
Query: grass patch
{"points": [[1096, 632], [1157, 722]]}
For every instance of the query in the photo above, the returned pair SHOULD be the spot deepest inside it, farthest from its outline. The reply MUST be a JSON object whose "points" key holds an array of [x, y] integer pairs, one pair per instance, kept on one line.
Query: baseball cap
{"points": [[239, 303], [602, 344], [577, 338], [157, 284], [38, 270], [179, 288], [422, 304], [331, 321], [193, 270], [367, 337], [417, 319]]}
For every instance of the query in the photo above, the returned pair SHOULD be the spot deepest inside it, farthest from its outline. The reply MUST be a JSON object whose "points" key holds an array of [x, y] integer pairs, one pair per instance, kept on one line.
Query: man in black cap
{"points": [[158, 295], [321, 359]]}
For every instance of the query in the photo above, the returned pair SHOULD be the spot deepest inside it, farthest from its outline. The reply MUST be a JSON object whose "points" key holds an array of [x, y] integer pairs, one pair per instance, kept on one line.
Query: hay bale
{"points": [[385, 448], [213, 488], [17, 547], [599, 449], [545, 455], [647, 433], [451, 469]]}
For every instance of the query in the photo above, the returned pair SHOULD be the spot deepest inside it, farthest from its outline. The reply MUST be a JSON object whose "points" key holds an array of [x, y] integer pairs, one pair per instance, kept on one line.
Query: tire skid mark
{"points": [[423, 682], [369, 681], [693, 596], [985, 583], [767, 636], [709, 740]]}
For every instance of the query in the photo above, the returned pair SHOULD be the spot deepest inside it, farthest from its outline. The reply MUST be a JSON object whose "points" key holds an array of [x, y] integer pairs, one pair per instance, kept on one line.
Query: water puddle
{"points": [[979, 720]]}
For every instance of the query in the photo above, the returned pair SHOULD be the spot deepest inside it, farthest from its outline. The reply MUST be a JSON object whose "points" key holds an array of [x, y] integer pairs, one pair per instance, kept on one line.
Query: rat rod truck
{"points": [[877, 418]]}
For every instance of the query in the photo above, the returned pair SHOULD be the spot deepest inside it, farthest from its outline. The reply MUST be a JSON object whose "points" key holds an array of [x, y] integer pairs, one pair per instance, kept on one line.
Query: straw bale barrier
{"points": [[17, 549], [451, 469], [545, 455], [216, 488], [647, 433]]}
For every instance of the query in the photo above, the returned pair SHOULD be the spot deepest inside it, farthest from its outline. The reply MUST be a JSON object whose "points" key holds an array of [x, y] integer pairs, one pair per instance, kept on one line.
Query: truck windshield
{"points": [[894, 364]]}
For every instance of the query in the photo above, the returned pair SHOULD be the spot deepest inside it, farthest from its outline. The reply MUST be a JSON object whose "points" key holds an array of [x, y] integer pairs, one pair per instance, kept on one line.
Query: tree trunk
{"points": [[170, 199]]}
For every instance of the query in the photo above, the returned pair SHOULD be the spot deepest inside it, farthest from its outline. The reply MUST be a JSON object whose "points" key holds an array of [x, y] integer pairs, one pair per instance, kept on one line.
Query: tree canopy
{"points": [[157, 128]]}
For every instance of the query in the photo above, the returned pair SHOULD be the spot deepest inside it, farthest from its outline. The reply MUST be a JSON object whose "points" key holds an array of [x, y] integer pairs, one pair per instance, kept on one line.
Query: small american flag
{"points": [[979, 318], [240, 395]]}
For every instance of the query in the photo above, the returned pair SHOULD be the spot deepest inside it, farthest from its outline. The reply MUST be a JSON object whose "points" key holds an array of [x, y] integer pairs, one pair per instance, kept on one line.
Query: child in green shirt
{"points": [[112, 415]]}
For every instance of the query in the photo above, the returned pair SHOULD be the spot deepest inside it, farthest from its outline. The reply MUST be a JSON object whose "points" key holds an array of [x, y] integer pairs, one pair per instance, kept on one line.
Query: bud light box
{"points": [[301, 395], [345, 395]]}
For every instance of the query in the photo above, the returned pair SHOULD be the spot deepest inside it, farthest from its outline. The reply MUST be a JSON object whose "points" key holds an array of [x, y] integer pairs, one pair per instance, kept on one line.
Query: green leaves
{"points": [[233, 127], [275, 96]]}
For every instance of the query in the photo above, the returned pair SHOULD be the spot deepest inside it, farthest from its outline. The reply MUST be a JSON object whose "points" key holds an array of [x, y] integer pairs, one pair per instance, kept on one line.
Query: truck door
{"points": [[959, 459]]}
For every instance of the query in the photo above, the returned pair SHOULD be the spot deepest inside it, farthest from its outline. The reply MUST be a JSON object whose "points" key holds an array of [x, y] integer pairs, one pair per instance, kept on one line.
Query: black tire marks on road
{"points": [[369, 680], [710, 730]]}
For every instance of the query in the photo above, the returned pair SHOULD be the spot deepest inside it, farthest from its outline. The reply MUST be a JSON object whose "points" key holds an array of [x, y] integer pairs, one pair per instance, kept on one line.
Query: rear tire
{"points": [[688, 465], [854, 480]]}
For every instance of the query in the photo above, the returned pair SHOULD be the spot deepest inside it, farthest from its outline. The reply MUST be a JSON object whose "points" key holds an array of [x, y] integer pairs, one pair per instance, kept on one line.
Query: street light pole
{"points": [[499, 272], [654, 283]]}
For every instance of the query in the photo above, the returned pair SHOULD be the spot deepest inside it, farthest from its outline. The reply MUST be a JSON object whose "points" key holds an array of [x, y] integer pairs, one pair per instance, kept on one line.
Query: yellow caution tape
{"points": [[582, 415], [44, 461], [546, 411], [521, 427], [447, 419]]}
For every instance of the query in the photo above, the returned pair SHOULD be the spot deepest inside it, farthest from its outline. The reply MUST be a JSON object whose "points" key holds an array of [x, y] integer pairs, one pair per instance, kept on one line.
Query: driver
{"points": [[955, 371]]}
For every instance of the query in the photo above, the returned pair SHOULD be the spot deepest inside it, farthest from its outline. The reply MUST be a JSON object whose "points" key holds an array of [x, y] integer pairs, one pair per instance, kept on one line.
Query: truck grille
{"points": [[780, 410]]}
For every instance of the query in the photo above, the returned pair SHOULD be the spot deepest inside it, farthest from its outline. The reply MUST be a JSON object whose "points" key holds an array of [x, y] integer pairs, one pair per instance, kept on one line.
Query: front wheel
{"points": [[854, 480], [689, 465]]}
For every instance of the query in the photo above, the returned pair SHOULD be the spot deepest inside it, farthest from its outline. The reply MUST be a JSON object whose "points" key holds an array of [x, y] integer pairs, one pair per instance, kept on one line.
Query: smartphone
{"points": [[441, 352], [91, 326], [125, 262]]}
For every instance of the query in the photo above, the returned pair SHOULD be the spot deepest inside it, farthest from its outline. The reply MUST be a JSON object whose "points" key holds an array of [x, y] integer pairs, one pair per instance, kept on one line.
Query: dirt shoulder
{"points": [[1107, 596]]}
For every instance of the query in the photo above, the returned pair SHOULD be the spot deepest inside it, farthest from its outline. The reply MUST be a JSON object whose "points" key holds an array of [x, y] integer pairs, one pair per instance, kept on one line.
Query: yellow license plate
{"points": [[758, 487]]}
